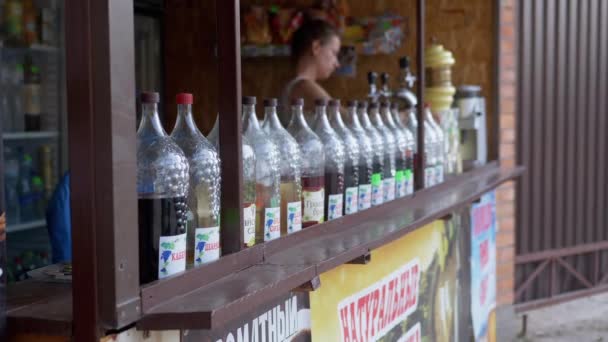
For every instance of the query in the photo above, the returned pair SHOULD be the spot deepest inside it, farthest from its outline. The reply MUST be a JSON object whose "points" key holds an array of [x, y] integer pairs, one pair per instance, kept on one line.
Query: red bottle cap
{"points": [[184, 98]]}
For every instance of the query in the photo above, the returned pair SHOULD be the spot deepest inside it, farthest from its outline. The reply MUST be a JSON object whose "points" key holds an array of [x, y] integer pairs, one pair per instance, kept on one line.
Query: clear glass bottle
{"points": [[162, 187], [205, 179], [313, 168], [267, 174], [351, 160], [430, 153], [439, 146], [401, 148], [290, 161], [334, 162], [366, 156], [248, 157], [410, 149], [389, 148], [377, 141]]}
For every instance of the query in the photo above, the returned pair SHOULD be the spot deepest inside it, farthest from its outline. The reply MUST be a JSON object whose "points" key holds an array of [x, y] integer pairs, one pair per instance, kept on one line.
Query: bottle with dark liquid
{"points": [[378, 157], [351, 161], [410, 151], [366, 156], [32, 105], [291, 176], [204, 192], [401, 146], [312, 167], [390, 167], [162, 189], [267, 174], [248, 158], [334, 162]]}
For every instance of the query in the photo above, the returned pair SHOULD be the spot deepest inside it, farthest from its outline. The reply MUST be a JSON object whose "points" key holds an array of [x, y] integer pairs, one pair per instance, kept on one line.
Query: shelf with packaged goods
{"points": [[19, 227], [32, 48], [278, 50], [13, 136], [296, 260]]}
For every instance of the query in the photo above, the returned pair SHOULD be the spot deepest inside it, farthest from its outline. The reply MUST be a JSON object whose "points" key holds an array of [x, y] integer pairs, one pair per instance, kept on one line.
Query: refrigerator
{"points": [[34, 128]]}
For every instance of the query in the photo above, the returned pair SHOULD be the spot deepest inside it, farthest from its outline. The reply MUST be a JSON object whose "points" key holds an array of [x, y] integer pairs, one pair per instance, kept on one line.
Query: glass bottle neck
{"points": [[150, 122], [353, 117], [321, 120], [335, 117], [250, 121], [374, 115], [387, 117], [364, 118], [271, 118], [297, 118], [185, 122]]}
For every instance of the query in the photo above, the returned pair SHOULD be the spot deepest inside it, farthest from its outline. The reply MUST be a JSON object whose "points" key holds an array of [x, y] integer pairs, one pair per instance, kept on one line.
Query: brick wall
{"points": [[506, 193]]}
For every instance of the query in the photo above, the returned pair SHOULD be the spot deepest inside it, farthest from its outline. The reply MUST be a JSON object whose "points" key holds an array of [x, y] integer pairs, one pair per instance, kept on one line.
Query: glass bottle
{"points": [[390, 166], [249, 161], [410, 150], [313, 168], [401, 148], [366, 156], [162, 187], [412, 125], [377, 141], [205, 179], [291, 177], [439, 146], [430, 153], [334, 162], [351, 161], [267, 175]]}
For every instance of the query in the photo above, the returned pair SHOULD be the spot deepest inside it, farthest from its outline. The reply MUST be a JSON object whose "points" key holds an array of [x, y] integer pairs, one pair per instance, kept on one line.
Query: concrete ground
{"points": [[581, 320]]}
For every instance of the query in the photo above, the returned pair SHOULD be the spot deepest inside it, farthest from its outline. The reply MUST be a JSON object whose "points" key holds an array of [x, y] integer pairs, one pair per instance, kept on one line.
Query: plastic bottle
{"points": [[267, 174], [313, 168], [290, 168], [205, 179]]}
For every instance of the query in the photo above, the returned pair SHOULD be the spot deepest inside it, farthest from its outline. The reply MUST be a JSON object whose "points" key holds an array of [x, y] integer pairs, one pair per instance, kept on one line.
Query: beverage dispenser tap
{"points": [[404, 95], [385, 91], [373, 89]]}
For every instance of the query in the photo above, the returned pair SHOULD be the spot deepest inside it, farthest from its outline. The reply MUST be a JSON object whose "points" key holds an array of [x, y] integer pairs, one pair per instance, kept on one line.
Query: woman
{"points": [[314, 48]]}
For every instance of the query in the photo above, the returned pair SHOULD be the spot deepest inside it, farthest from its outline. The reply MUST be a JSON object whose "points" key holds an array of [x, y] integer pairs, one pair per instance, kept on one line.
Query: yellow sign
{"points": [[406, 293]]}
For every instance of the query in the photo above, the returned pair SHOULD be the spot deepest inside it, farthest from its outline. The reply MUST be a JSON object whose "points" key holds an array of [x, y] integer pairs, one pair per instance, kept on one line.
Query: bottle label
{"points": [[365, 196], [439, 174], [334, 207], [249, 225], [400, 183], [428, 176], [272, 223], [172, 255], [294, 217], [377, 198], [206, 245], [314, 202], [409, 182], [351, 201], [388, 189]]}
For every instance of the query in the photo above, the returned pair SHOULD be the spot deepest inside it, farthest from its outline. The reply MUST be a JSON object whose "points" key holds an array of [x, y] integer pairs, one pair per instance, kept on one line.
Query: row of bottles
{"points": [[405, 101], [293, 178]]}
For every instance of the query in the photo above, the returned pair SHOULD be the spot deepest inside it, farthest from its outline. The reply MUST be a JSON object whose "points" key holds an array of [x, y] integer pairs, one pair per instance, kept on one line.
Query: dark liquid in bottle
{"points": [[157, 217], [334, 185], [311, 184], [32, 122], [365, 174], [351, 175]]}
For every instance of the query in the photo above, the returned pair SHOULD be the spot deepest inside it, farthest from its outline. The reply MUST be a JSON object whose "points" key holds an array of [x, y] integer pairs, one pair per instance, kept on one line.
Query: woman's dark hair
{"points": [[311, 30]]}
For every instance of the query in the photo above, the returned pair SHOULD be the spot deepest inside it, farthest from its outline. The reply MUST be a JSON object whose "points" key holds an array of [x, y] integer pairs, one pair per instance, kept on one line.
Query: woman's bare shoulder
{"points": [[309, 89]]}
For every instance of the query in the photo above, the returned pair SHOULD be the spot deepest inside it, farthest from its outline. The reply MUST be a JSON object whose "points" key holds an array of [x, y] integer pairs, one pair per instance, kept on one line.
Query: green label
{"points": [[376, 179], [409, 174], [400, 176]]}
